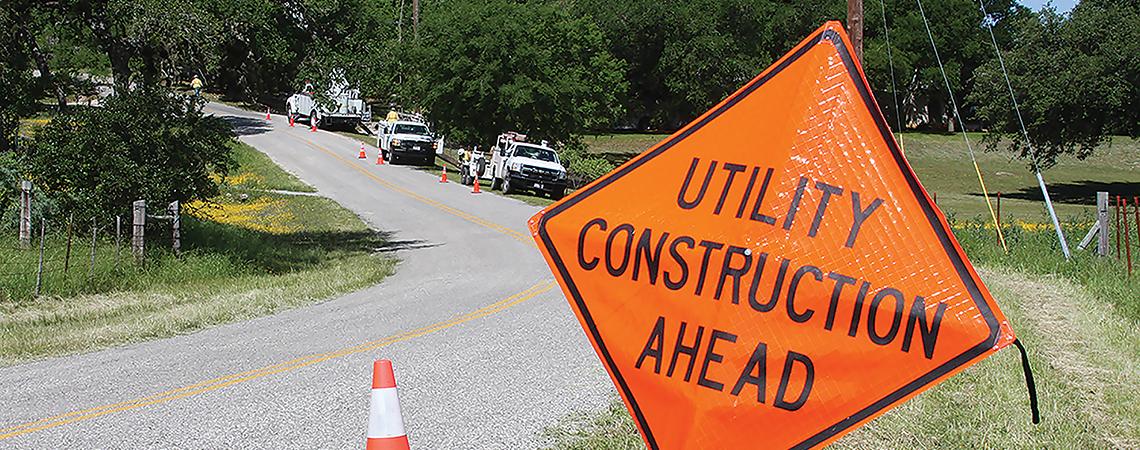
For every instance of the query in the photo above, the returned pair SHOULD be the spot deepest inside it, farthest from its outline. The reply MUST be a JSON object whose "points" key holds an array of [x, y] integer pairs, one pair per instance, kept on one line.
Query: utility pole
{"points": [[415, 19], [855, 27]]}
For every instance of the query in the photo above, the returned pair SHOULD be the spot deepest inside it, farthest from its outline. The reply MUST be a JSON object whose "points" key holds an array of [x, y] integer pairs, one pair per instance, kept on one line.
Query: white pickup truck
{"points": [[406, 141], [516, 165]]}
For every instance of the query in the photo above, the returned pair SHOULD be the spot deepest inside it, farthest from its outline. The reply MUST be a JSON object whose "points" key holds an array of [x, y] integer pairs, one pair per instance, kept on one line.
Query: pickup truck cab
{"points": [[406, 141]]}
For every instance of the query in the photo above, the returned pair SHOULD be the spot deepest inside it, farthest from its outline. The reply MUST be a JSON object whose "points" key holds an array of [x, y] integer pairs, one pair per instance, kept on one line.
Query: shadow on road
{"points": [[245, 126]]}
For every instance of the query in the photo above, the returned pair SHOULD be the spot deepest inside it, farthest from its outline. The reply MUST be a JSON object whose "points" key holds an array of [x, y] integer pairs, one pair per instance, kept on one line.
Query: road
{"points": [[486, 350]]}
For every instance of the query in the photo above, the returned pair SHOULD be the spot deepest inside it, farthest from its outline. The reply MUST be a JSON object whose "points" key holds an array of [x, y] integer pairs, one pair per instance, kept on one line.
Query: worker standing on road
{"points": [[196, 85]]}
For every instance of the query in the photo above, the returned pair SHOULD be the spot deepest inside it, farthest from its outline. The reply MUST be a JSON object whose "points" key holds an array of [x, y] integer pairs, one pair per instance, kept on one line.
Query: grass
{"points": [[943, 165], [1080, 326], [241, 259]]}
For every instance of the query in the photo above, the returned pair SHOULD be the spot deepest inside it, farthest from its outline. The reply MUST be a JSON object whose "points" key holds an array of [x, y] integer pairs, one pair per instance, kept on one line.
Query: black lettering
{"points": [[747, 192], [860, 215], [591, 264], [679, 348], [756, 216], [676, 285], [918, 318], [809, 379], [895, 321], [840, 281], [758, 363], [619, 270], [684, 204], [828, 190], [775, 288], [712, 356], [732, 169], [654, 346], [652, 259], [795, 206], [806, 315], [727, 271], [709, 247], [755, 304], [858, 310]]}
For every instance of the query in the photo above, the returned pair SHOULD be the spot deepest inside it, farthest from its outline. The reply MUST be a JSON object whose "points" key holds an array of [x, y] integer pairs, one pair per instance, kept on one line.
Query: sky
{"points": [[1063, 6]]}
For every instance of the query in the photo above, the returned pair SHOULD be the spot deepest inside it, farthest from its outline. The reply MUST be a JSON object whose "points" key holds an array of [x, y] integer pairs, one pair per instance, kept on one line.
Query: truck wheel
{"points": [[557, 195], [394, 158]]}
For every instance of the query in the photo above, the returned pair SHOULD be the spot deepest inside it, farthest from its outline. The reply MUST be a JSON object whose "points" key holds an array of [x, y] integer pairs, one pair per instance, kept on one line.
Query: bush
{"points": [[145, 144], [582, 166]]}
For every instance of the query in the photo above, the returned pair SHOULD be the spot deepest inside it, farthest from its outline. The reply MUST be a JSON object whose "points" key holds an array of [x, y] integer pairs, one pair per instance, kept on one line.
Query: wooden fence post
{"points": [[176, 228], [118, 238], [91, 265], [40, 267], [138, 230], [25, 214], [1102, 222]]}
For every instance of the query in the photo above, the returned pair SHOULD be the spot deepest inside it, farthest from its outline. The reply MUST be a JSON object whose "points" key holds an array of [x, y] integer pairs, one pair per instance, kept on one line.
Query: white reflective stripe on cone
{"points": [[384, 419]]}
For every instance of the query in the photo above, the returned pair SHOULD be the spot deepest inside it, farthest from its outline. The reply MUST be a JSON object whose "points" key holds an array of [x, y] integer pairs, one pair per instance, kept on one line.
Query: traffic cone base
{"points": [[313, 129], [476, 189], [385, 422], [443, 175]]}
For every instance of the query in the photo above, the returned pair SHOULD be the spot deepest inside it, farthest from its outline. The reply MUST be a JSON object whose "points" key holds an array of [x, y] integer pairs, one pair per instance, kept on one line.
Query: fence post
{"points": [[91, 265], [25, 214], [176, 228], [118, 238], [67, 253], [40, 269], [999, 217], [1102, 222], [138, 230], [1117, 218]]}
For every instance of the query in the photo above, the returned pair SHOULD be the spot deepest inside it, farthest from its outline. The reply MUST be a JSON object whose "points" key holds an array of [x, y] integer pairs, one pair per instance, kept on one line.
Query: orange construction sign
{"points": [[772, 275]]}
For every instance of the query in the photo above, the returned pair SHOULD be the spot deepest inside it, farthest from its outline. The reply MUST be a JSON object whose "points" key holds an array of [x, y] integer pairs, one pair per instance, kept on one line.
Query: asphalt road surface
{"points": [[486, 350]]}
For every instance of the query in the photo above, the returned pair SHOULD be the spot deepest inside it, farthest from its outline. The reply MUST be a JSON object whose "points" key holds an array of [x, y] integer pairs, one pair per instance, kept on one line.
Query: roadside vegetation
{"points": [[1084, 349], [247, 252]]}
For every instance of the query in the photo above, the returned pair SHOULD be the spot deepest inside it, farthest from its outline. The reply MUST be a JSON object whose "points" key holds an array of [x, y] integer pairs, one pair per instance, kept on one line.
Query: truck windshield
{"points": [[540, 154], [408, 128]]}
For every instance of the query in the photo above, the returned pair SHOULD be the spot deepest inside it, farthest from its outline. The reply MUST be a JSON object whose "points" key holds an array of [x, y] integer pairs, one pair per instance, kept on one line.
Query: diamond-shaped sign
{"points": [[772, 275]]}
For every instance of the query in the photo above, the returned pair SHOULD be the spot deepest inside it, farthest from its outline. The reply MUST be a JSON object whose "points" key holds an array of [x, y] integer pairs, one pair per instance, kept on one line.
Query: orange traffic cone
{"points": [[314, 126], [385, 423], [267, 116], [443, 175], [476, 189], [291, 120], [379, 157], [362, 155]]}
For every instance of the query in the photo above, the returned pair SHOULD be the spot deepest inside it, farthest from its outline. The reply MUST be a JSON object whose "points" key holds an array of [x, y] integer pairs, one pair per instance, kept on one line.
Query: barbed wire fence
{"points": [[56, 254]]}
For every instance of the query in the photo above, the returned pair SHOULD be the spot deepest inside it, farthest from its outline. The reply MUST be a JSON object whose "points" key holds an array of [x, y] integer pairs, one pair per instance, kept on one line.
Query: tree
{"points": [[489, 67], [1075, 80], [146, 143]]}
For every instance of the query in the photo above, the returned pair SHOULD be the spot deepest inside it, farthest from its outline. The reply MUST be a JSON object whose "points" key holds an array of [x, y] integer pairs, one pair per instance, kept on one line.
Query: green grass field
{"points": [[1078, 318], [249, 252], [1084, 349], [944, 168]]}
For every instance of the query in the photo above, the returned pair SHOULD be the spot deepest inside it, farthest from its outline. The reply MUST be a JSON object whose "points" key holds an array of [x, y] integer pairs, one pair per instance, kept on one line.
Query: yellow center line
{"points": [[522, 237], [221, 382]]}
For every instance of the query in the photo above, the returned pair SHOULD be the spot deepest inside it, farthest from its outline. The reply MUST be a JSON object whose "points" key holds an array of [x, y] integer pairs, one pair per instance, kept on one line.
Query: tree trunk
{"points": [[42, 64]]}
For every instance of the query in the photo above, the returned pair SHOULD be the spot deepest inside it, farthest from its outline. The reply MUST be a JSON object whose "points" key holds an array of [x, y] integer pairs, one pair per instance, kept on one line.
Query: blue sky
{"points": [[1063, 6]]}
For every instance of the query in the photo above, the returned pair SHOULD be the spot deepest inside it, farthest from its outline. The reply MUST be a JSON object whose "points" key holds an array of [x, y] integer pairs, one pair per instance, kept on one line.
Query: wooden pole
{"points": [[1102, 222], [40, 269], [999, 216], [1117, 216], [118, 238], [1127, 240], [25, 214], [138, 229], [855, 27], [91, 265], [71, 219], [176, 228]]}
